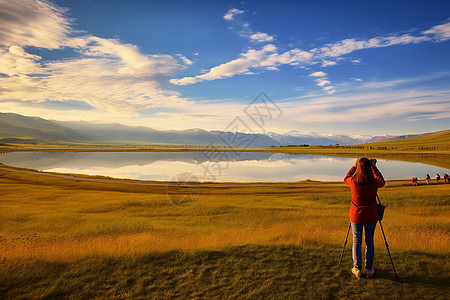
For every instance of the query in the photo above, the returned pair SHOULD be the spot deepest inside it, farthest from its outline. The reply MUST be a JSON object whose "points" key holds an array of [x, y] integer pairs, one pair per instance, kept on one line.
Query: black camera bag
{"points": [[380, 209]]}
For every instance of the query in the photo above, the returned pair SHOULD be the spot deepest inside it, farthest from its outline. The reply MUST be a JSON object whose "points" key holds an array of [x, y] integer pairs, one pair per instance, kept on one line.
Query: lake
{"points": [[209, 166]]}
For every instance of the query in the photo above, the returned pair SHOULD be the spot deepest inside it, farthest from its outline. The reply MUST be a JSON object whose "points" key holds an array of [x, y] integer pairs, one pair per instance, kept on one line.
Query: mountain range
{"points": [[16, 128]]}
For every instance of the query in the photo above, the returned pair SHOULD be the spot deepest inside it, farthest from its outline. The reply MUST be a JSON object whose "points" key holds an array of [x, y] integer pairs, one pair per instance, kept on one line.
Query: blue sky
{"points": [[330, 67]]}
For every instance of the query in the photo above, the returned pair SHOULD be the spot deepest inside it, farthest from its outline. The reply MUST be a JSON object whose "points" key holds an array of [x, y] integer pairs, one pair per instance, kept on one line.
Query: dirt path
{"points": [[78, 178], [132, 182]]}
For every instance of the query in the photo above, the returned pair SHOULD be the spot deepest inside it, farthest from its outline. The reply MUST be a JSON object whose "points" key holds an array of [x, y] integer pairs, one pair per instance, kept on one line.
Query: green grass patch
{"points": [[250, 271]]}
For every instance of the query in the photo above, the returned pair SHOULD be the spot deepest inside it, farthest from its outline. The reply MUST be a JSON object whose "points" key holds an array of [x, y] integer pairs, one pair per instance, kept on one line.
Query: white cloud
{"points": [[243, 28], [440, 32], [14, 61], [117, 77], [342, 108], [386, 84], [267, 58], [370, 105], [322, 82], [102, 83], [242, 65], [96, 81], [108, 75], [133, 62], [318, 74], [185, 60], [118, 80], [346, 46], [300, 58], [367, 105], [350, 45], [356, 79], [232, 13], [293, 57], [261, 37], [33, 23], [326, 63]]}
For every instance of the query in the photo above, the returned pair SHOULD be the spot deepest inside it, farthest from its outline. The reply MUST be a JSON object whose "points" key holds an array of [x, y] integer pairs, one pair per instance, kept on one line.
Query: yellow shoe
{"points": [[357, 272]]}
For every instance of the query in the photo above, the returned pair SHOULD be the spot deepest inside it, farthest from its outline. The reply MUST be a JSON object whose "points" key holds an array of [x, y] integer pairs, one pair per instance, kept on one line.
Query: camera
{"points": [[373, 160]]}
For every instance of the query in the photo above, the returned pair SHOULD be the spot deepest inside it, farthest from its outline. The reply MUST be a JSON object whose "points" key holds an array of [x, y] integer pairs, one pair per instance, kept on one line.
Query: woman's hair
{"points": [[363, 173]]}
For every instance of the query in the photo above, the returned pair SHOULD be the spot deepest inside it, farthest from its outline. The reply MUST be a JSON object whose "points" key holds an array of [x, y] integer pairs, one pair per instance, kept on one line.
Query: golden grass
{"points": [[428, 240], [74, 239], [65, 220]]}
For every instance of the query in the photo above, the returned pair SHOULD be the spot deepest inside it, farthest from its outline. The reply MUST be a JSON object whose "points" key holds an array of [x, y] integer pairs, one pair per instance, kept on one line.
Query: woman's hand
{"points": [[356, 162]]}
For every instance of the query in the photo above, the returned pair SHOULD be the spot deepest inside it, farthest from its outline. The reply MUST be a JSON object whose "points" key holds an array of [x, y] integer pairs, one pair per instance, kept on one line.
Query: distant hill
{"points": [[439, 140], [407, 137], [294, 138], [123, 133], [119, 132], [297, 138], [16, 128]]}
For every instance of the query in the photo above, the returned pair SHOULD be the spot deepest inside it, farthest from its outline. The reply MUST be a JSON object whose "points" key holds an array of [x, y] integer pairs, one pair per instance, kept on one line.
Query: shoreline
{"points": [[310, 150], [129, 181]]}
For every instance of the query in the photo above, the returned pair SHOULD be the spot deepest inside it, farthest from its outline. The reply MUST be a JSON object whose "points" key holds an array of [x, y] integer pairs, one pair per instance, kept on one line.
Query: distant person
{"points": [[427, 178], [415, 181], [437, 177], [446, 178], [364, 180]]}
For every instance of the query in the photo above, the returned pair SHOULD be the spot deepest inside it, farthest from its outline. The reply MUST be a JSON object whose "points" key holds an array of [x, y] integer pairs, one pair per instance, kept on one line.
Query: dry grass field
{"points": [[78, 239]]}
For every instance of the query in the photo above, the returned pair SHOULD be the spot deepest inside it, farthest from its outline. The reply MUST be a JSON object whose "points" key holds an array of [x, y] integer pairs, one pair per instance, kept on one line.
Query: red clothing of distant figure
{"points": [[363, 207]]}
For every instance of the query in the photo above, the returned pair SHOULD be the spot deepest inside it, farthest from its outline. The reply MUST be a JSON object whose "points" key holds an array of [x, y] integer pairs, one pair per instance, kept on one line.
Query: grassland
{"points": [[63, 238], [434, 143], [433, 149]]}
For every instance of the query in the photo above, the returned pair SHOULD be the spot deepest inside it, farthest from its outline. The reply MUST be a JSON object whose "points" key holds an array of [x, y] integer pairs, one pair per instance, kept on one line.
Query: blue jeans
{"points": [[357, 230]]}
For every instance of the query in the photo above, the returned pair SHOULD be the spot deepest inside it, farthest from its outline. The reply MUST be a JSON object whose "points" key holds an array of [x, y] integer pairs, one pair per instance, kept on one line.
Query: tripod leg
{"points": [[345, 243], [387, 247]]}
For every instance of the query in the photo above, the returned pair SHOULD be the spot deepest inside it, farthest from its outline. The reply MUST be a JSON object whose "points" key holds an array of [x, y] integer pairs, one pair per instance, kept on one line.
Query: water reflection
{"points": [[208, 166]]}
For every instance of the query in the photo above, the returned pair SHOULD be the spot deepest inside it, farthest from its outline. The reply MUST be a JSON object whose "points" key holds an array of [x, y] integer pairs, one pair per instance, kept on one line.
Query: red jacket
{"points": [[363, 207]]}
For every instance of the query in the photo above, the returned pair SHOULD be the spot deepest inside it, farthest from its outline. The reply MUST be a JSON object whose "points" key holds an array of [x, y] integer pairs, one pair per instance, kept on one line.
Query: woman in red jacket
{"points": [[364, 180]]}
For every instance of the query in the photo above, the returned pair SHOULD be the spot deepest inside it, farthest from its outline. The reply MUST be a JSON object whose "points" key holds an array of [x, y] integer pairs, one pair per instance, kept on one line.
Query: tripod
{"points": [[385, 242]]}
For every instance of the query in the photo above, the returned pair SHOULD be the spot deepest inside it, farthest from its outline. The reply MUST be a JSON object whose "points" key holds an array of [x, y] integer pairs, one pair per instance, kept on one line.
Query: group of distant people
{"points": [[415, 180]]}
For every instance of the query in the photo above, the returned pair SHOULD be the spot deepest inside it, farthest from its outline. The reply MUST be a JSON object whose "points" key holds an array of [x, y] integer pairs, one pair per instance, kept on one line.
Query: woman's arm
{"points": [[349, 175], [378, 177]]}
